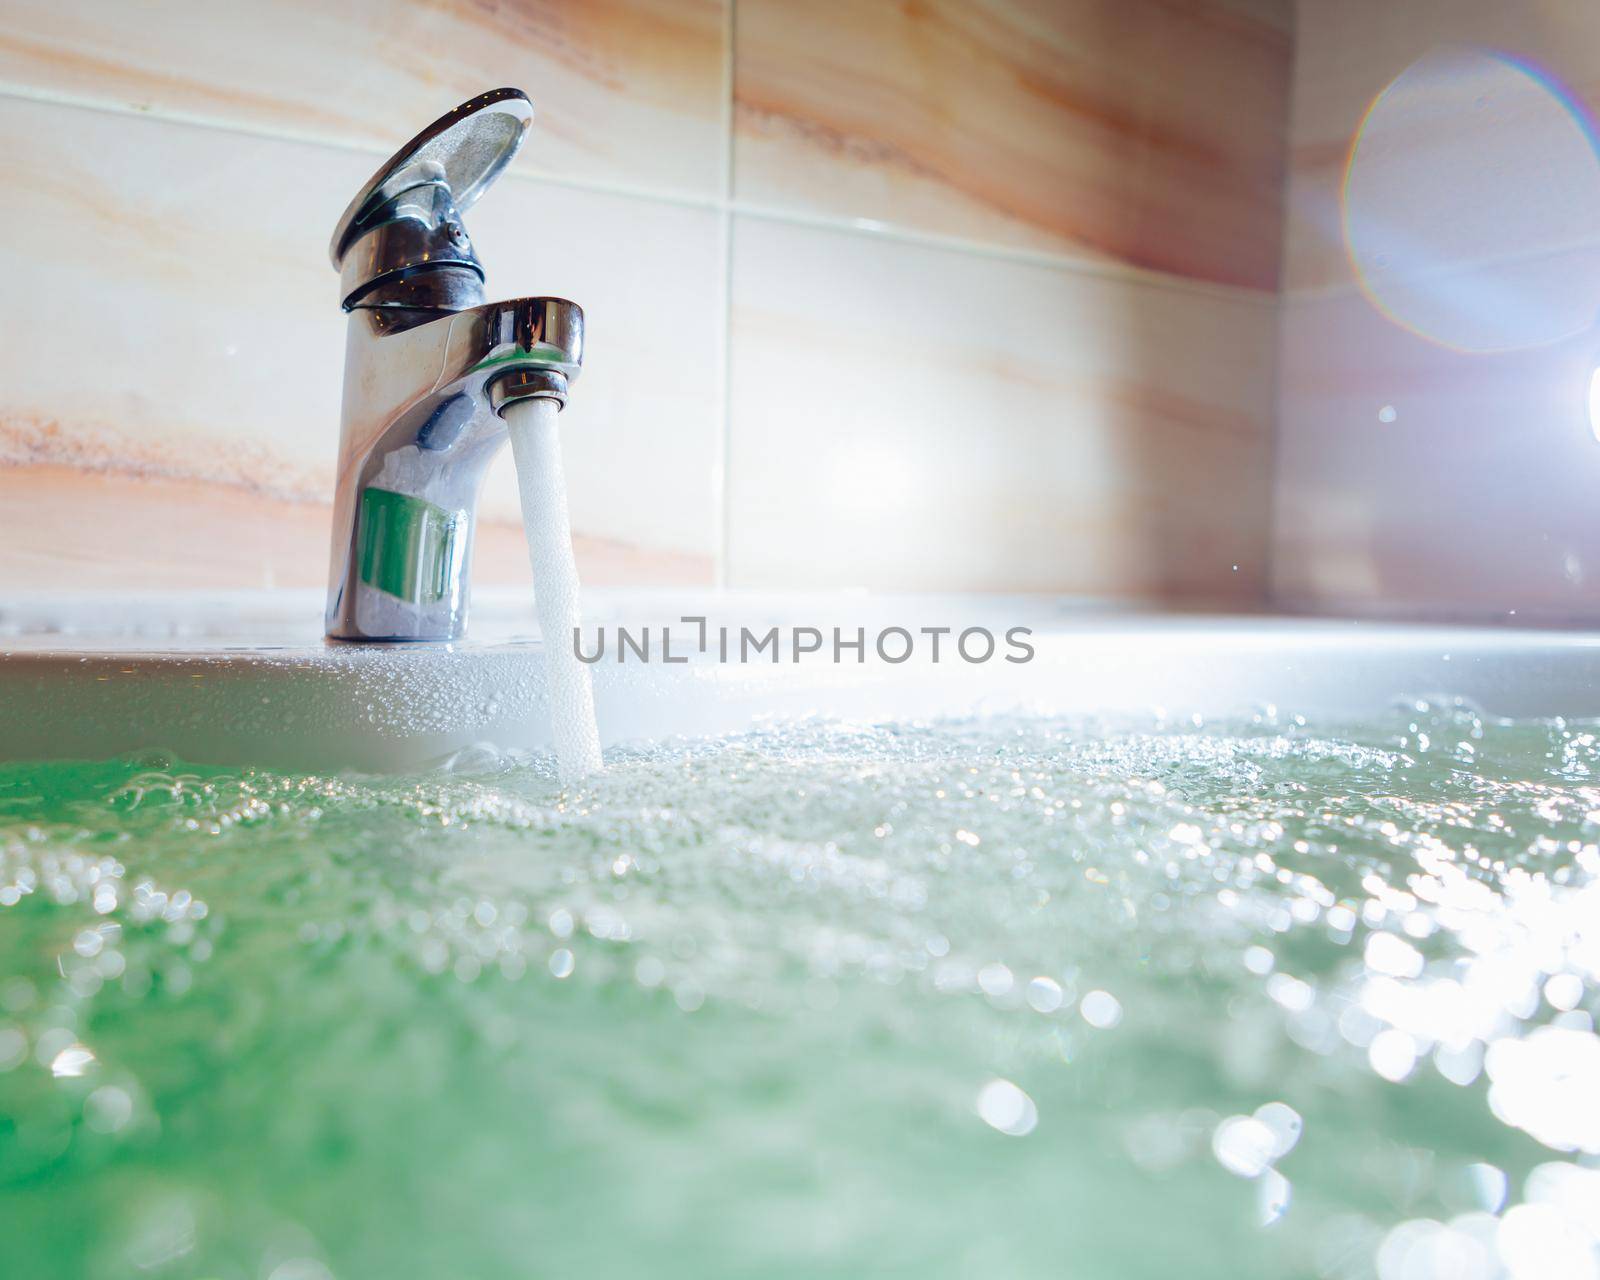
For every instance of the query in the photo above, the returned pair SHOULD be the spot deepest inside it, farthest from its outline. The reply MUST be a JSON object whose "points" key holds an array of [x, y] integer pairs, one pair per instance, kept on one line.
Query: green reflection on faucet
{"points": [[410, 549]]}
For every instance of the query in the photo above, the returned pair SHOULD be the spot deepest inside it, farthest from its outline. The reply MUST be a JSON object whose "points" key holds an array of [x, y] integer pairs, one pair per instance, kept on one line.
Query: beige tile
{"points": [[181, 319], [642, 434], [181, 328], [1476, 499], [628, 91], [905, 417], [149, 532], [1130, 131], [1349, 51]]}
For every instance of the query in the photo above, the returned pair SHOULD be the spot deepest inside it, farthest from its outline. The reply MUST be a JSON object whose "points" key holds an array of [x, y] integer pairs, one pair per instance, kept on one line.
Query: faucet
{"points": [[429, 368]]}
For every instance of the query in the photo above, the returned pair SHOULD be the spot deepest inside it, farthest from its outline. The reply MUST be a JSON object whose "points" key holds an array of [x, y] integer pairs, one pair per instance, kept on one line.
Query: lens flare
{"points": [[1470, 205]]}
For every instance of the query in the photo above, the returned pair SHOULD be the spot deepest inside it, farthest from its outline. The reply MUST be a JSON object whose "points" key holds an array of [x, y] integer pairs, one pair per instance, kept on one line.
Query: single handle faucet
{"points": [[429, 365]]}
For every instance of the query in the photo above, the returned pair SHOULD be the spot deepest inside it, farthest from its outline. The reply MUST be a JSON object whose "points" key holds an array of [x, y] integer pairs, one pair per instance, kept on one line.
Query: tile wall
{"points": [[961, 294]]}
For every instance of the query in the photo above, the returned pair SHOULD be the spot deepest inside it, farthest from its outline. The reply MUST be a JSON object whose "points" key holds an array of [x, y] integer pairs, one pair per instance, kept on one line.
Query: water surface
{"points": [[1011, 998]]}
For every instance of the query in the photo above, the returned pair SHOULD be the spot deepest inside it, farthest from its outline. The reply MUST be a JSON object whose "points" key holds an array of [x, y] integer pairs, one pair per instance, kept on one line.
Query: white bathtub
{"points": [[248, 679]]}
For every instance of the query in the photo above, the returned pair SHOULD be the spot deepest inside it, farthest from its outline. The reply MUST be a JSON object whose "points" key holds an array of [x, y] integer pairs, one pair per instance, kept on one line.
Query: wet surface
{"points": [[1011, 997]]}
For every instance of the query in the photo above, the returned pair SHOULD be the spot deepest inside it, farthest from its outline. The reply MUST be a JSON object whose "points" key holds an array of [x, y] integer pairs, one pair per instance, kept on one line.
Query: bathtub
{"points": [[248, 679], [1233, 948]]}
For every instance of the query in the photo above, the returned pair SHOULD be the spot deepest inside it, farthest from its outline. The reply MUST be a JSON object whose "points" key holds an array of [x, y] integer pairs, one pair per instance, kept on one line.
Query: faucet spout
{"points": [[421, 424], [429, 365]]}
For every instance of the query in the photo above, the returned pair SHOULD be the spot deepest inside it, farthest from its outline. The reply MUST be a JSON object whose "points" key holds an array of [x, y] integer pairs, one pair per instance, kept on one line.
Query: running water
{"points": [[537, 449]]}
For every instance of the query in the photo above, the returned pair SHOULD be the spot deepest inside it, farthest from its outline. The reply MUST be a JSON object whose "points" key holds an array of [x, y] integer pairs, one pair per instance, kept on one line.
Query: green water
{"points": [[1011, 998]]}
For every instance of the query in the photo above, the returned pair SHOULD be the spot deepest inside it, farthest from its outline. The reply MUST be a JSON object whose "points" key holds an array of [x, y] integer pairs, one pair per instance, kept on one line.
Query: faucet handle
{"points": [[401, 242]]}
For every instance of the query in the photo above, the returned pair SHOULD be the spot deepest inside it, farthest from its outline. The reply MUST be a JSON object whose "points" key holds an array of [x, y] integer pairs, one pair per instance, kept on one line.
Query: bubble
{"points": [[108, 1109], [1386, 953], [1564, 991], [1423, 1249], [1539, 1242], [74, 1060], [1393, 1054], [1101, 1009], [1285, 1125], [1292, 993], [650, 972], [1244, 1145], [1044, 994], [995, 980], [1548, 1084], [1005, 1107], [689, 996], [13, 1048]]}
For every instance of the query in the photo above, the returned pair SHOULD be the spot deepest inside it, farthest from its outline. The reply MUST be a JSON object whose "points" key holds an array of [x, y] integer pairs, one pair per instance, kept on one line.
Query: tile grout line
{"points": [[244, 128], [1271, 553], [1115, 271], [725, 372], [724, 204]]}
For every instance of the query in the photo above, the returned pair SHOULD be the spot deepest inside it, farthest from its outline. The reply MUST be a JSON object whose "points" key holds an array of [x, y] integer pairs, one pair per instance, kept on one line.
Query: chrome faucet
{"points": [[429, 366]]}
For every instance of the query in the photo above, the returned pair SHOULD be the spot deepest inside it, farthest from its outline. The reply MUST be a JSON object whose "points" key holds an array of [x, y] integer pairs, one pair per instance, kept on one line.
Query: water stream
{"points": [[536, 445]]}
